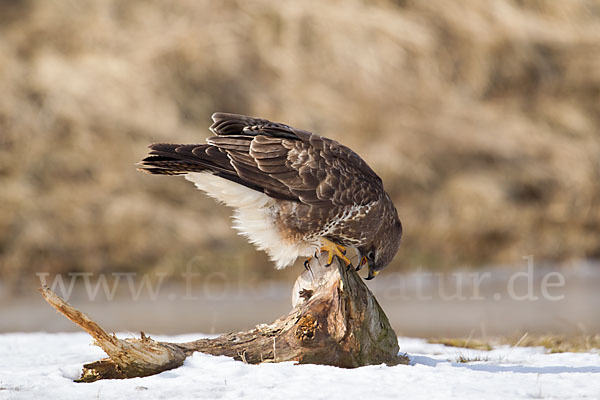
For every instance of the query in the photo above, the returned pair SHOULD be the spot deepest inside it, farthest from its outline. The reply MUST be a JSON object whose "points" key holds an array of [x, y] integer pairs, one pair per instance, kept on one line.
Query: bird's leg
{"points": [[334, 249]]}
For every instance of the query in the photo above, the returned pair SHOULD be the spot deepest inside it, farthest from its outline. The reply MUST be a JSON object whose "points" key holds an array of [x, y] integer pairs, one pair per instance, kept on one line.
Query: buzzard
{"points": [[294, 192]]}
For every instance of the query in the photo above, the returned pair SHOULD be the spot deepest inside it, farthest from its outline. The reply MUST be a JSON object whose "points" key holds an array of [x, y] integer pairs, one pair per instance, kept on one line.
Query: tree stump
{"points": [[335, 320]]}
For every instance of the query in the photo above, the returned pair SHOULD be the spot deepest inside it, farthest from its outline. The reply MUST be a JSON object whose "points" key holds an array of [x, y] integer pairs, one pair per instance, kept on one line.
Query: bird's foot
{"points": [[334, 249]]}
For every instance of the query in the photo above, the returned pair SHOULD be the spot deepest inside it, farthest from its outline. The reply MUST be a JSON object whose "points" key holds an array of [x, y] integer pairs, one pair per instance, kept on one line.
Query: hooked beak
{"points": [[363, 261], [372, 274]]}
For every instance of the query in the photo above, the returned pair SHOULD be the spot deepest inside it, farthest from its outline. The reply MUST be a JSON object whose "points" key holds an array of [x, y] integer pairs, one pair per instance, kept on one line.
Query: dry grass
{"points": [[561, 343], [461, 358], [482, 118], [553, 343], [465, 343]]}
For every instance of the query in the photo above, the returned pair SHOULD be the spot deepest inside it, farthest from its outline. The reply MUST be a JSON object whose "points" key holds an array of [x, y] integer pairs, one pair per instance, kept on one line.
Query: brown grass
{"points": [[465, 343], [482, 118], [461, 358], [553, 343], [560, 343]]}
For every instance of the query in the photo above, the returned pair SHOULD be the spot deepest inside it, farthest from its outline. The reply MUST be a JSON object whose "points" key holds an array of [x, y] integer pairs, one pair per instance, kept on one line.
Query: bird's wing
{"points": [[281, 161]]}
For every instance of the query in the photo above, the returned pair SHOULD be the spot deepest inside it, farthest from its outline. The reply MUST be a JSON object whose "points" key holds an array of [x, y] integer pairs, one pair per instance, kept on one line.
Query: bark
{"points": [[335, 320]]}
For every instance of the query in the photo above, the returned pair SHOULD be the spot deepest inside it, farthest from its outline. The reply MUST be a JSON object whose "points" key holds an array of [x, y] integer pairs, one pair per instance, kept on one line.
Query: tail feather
{"points": [[160, 165], [176, 159], [227, 154]]}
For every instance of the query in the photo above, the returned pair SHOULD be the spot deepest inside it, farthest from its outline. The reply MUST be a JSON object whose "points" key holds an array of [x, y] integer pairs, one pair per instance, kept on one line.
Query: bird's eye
{"points": [[371, 255]]}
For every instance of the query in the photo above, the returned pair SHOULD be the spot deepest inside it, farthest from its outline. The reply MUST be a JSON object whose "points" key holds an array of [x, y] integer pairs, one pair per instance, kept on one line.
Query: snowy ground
{"points": [[41, 365]]}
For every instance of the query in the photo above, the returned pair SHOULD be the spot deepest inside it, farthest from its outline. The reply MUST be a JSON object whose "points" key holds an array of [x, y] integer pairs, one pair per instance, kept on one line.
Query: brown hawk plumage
{"points": [[294, 192]]}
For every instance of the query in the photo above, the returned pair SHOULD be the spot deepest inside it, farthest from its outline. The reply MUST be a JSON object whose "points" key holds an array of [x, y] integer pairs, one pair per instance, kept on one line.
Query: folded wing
{"points": [[273, 158]]}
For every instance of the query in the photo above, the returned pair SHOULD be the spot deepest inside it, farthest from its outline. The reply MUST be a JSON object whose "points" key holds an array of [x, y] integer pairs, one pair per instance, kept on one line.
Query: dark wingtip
{"points": [[225, 115], [219, 115], [227, 123]]}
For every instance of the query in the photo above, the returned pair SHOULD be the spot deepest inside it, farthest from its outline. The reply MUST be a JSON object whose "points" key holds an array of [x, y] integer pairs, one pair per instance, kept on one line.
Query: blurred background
{"points": [[481, 117]]}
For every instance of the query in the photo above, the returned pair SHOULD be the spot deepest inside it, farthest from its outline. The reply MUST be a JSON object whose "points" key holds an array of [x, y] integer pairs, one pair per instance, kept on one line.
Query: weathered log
{"points": [[335, 321], [128, 358]]}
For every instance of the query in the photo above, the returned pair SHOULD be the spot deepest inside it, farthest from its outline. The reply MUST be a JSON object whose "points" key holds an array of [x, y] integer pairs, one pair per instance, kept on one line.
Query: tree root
{"points": [[335, 321]]}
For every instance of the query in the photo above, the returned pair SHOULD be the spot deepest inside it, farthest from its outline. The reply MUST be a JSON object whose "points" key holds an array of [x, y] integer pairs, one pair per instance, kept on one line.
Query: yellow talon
{"points": [[334, 249]]}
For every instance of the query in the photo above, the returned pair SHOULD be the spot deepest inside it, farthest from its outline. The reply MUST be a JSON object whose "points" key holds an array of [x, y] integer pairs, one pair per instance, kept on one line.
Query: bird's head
{"points": [[381, 250]]}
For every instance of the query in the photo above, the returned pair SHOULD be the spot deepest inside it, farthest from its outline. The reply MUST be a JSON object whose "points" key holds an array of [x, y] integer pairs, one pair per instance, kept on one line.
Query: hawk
{"points": [[294, 192]]}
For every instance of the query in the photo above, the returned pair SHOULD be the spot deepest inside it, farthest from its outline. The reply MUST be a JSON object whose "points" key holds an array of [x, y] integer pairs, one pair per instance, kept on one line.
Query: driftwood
{"points": [[335, 321]]}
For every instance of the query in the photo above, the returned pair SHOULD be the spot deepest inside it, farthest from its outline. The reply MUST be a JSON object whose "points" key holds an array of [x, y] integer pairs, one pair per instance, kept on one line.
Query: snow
{"points": [[43, 365]]}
